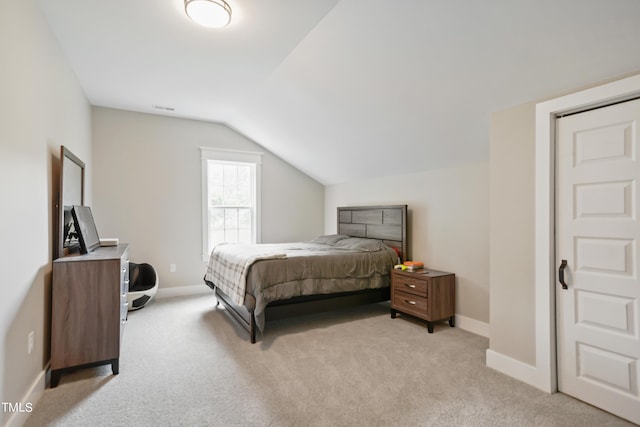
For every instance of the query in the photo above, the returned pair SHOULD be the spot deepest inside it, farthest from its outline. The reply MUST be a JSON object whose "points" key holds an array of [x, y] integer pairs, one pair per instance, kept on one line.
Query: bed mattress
{"points": [[326, 265]]}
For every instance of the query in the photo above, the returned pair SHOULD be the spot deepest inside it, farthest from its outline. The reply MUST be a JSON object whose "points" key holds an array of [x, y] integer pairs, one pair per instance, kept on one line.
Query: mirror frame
{"points": [[67, 156]]}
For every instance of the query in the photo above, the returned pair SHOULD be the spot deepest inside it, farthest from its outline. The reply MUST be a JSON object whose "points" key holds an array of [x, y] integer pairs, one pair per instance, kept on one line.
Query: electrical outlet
{"points": [[30, 342], [172, 268]]}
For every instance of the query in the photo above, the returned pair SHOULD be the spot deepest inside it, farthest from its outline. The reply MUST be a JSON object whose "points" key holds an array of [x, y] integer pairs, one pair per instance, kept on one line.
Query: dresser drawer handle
{"points": [[410, 286], [410, 302]]}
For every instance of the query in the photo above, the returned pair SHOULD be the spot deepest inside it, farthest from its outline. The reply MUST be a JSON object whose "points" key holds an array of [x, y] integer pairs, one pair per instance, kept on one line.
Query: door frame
{"points": [[545, 376]]}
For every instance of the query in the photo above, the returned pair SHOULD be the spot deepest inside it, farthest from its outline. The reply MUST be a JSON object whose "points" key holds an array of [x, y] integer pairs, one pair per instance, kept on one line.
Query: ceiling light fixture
{"points": [[208, 13]]}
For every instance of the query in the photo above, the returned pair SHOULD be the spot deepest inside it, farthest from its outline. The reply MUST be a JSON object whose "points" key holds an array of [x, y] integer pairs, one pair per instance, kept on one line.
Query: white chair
{"points": [[143, 285]]}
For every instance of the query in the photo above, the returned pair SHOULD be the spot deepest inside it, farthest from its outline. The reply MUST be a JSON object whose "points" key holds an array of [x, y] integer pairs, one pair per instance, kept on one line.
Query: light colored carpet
{"points": [[185, 363]]}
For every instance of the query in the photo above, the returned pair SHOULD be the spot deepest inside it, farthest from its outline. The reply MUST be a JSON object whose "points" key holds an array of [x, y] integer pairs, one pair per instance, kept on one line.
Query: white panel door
{"points": [[597, 233]]}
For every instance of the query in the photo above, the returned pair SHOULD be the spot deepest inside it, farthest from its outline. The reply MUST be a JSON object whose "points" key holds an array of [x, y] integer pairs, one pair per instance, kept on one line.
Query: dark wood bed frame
{"points": [[386, 223]]}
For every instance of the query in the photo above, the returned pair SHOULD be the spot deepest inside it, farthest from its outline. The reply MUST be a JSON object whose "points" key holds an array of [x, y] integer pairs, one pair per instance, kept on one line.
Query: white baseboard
{"points": [[515, 369], [31, 397], [472, 325], [180, 291]]}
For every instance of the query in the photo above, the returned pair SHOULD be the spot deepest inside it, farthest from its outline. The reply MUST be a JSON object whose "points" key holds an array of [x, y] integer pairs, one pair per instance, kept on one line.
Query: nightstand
{"points": [[427, 294]]}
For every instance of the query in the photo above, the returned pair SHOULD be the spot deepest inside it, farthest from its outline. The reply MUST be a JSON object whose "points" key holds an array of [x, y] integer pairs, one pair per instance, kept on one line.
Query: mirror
{"points": [[71, 193]]}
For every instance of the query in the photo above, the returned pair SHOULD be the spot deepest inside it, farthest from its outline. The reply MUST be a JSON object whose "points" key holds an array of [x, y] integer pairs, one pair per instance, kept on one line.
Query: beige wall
{"points": [[42, 108], [147, 190], [512, 207], [512, 233], [448, 220]]}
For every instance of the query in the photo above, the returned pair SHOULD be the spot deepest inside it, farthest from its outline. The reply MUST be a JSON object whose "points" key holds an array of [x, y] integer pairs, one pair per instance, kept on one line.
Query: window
{"points": [[230, 195]]}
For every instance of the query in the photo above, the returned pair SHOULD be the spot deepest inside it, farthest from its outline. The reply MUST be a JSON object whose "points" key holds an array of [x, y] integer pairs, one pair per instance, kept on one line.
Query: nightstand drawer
{"points": [[410, 285], [409, 303]]}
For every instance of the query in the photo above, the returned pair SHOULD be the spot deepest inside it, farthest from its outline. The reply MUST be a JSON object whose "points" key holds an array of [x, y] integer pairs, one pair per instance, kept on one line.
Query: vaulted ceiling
{"points": [[347, 89]]}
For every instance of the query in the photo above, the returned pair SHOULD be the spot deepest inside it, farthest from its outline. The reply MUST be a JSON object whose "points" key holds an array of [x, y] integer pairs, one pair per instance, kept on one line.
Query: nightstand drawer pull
{"points": [[410, 285], [410, 302]]}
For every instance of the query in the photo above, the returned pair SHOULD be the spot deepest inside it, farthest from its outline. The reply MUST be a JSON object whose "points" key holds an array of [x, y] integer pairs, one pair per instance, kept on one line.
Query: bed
{"points": [[269, 281]]}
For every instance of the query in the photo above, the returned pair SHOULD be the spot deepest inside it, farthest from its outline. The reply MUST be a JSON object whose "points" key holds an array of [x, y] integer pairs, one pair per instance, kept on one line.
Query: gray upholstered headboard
{"points": [[386, 223]]}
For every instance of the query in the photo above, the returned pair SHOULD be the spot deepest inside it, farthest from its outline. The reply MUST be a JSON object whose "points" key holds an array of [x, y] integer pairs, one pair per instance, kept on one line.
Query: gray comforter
{"points": [[328, 264]]}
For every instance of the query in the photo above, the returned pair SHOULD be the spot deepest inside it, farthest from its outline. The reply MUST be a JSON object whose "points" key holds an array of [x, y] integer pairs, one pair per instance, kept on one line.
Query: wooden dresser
{"points": [[88, 309], [424, 293]]}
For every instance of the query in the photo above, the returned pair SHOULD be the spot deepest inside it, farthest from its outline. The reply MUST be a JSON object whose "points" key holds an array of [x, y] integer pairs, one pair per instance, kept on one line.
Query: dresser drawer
{"points": [[124, 306], [124, 290], [124, 267], [410, 285], [410, 303]]}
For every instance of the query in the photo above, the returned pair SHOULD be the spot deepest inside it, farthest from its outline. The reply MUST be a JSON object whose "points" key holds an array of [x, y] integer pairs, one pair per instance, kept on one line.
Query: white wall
{"points": [[42, 108], [448, 226], [147, 190]]}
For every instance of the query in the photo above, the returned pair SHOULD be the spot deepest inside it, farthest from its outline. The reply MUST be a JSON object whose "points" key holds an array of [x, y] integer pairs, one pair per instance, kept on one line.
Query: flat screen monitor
{"points": [[86, 228]]}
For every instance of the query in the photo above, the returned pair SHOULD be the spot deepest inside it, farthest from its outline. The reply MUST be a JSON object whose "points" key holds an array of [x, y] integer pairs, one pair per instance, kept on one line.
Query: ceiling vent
{"points": [[162, 107]]}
